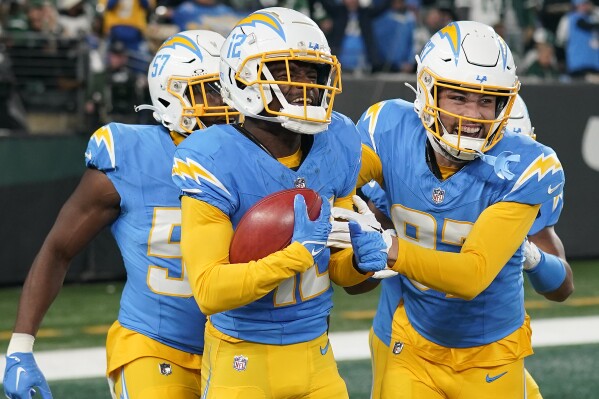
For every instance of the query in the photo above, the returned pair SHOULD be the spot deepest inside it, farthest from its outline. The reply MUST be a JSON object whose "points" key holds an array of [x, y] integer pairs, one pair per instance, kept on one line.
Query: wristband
{"points": [[548, 275], [20, 342]]}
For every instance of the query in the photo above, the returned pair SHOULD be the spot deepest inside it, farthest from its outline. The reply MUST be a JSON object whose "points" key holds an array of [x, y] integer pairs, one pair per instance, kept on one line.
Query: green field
{"points": [[82, 314]]}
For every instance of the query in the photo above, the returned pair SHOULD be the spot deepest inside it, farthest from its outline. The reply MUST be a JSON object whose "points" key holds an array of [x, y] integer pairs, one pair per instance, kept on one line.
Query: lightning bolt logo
{"points": [[372, 113], [189, 169], [503, 50], [452, 33], [540, 167], [265, 19], [183, 41], [104, 135], [556, 200], [426, 49]]}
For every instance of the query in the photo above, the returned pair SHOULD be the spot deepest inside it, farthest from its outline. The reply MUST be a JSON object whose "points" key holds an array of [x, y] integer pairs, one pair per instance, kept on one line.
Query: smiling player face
{"points": [[300, 72], [475, 108]]}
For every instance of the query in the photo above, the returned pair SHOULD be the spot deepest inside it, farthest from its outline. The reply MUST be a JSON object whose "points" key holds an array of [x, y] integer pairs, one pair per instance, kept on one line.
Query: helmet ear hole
{"points": [[164, 102]]}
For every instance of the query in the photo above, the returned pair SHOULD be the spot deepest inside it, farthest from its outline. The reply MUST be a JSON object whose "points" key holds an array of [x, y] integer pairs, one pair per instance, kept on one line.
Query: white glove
{"points": [[364, 217], [339, 235], [532, 255]]}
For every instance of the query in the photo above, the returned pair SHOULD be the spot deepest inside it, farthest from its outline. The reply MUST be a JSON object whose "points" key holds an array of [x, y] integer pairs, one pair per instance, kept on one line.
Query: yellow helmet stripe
{"points": [[263, 18]]}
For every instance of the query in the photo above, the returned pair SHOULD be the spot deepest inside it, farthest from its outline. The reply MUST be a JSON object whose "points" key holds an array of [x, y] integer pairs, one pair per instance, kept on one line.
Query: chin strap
{"points": [[500, 163]]}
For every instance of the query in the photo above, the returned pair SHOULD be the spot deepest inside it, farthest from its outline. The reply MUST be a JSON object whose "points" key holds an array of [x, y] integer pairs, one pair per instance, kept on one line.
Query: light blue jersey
{"points": [[549, 214], [439, 215], [232, 173], [391, 287], [157, 300]]}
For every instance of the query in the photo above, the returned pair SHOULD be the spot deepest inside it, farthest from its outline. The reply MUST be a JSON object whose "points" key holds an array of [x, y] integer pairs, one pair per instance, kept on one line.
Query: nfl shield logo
{"points": [[240, 362], [438, 195], [397, 348], [165, 369], [300, 182]]}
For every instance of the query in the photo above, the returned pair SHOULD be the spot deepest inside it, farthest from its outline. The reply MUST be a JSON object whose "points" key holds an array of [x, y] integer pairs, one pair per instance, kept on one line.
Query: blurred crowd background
{"points": [[74, 65]]}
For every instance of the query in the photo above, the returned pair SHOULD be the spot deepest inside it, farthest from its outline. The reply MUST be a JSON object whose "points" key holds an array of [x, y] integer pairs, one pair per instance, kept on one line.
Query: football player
{"points": [[463, 195], [266, 336], [542, 233], [154, 349]]}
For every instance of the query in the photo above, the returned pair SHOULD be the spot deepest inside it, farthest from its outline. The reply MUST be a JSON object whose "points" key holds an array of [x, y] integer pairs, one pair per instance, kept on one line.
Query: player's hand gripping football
{"points": [[311, 234], [23, 378]]}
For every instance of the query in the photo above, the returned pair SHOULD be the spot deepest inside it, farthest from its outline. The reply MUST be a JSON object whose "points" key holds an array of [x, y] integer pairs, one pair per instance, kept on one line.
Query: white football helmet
{"points": [[519, 121], [278, 34], [182, 77], [472, 57]]}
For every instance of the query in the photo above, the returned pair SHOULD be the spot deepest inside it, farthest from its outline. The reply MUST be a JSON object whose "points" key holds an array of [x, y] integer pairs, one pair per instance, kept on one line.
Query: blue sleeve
{"points": [[372, 123], [377, 195], [101, 149], [548, 215], [198, 176], [541, 179]]}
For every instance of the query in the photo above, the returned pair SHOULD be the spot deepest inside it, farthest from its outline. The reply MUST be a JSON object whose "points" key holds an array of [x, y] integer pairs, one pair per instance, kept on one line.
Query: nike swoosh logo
{"points": [[316, 252], [323, 351], [550, 189], [320, 246], [20, 370], [498, 376]]}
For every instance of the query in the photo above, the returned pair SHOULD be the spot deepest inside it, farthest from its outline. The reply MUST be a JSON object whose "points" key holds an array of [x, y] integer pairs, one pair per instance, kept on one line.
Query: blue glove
{"points": [[311, 234], [22, 375], [369, 247]]}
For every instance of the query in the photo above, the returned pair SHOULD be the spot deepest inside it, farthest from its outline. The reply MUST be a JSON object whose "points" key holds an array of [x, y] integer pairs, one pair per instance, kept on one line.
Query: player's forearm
{"points": [[484, 253], [464, 275], [217, 284], [42, 285], [225, 286], [565, 289], [547, 241]]}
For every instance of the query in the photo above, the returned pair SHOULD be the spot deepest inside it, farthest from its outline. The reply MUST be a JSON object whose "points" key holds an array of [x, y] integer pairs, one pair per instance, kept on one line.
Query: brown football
{"points": [[267, 226]]}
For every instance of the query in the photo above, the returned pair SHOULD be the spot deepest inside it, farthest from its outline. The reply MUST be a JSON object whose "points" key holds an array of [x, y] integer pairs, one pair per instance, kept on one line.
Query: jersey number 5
{"points": [[161, 245]]}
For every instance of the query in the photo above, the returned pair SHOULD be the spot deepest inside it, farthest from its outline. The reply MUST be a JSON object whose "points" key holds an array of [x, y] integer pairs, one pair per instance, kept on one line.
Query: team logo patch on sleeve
{"points": [[103, 136], [373, 114], [189, 169], [540, 167]]}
